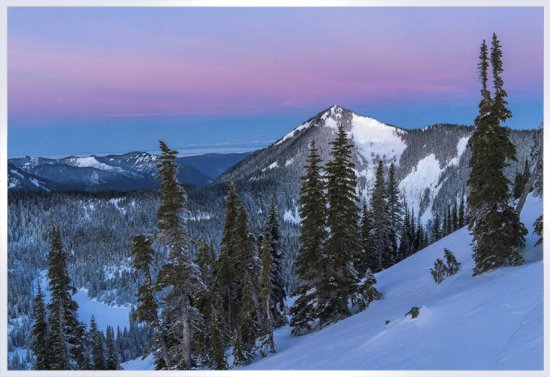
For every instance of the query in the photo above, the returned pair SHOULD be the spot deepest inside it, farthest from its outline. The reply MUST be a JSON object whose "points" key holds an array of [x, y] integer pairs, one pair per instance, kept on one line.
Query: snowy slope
{"points": [[492, 321]]}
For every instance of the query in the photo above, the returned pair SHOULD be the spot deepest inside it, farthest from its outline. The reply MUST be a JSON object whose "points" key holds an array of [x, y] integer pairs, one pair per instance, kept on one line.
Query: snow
{"points": [[292, 216], [489, 322], [273, 165], [105, 315], [460, 148], [89, 162], [289, 162], [116, 203], [147, 363], [295, 131], [424, 175], [373, 138]]}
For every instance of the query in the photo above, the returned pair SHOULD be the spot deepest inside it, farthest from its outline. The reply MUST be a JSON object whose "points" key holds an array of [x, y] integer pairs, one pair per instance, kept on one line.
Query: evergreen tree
{"points": [[227, 277], [147, 306], [342, 247], [98, 356], [395, 209], [309, 264], [278, 295], [406, 244], [217, 337], [449, 218], [538, 229], [64, 340], [368, 258], [245, 345], [266, 343], [369, 291], [496, 228], [452, 265], [454, 216], [438, 271], [179, 277], [202, 341], [40, 346], [436, 228], [111, 362], [381, 233]]}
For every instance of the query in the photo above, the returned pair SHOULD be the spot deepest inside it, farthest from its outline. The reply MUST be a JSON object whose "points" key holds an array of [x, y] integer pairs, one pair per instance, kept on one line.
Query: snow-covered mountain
{"points": [[130, 171], [431, 163]]}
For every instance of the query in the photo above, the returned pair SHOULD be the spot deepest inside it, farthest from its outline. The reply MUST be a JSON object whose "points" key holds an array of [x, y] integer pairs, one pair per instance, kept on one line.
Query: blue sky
{"points": [[112, 80]]}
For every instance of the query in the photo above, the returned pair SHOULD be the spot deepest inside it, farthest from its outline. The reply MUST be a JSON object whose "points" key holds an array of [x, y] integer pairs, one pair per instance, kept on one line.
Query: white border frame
{"points": [[5, 4]]}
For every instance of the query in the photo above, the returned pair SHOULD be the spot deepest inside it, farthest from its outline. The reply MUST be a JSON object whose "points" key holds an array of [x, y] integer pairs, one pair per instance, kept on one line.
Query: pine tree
{"points": [[40, 346], [381, 223], [64, 340], [206, 261], [452, 265], [112, 357], [538, 229], [368, 258], [179, 277], [395, 209], [309, 264], [496, 228], [369, 291], [227, 277], [245, 345], [454, 216], [147, 306], [342, 247], [247, 261], [266, 342], [438, 271], [96, 338], [406, 243], [449, 221], [436, 228], [217, 335], [278, 294]]}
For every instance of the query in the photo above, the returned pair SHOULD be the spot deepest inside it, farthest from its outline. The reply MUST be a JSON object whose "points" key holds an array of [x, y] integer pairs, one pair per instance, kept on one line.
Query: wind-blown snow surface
{"points": [[493, 321]]}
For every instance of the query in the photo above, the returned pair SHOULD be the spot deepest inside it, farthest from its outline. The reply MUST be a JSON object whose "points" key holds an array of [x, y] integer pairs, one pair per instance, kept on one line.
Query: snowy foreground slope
{"points": [[493, 321]]}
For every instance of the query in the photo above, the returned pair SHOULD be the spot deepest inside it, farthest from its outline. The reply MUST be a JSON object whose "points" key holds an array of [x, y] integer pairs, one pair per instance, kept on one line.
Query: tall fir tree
{"points": [[227, 277], [309, 264], [179, 277], [266, 342], [368, 258], [406, 241], [40, 338], [278, 294], [340, 285], [147, 306], [111, 361], [495, 226], [454, 216], [97, 347], [245, 340], [395, 209], [62, 309], [381, 234], [436, 228]]}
